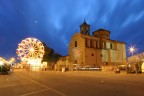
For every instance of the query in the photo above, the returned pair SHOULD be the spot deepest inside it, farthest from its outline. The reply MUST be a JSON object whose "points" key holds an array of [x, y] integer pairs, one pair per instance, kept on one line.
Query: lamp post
{"points": [[131, 50], [135, 62]]}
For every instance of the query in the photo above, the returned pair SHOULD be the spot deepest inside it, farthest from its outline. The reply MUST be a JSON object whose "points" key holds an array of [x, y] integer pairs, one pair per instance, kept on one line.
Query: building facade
{"points": [[95, 50]]}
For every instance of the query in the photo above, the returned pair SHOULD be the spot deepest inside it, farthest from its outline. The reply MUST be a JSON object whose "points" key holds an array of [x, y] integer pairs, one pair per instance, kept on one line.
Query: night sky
{"points": [[55, 22]]}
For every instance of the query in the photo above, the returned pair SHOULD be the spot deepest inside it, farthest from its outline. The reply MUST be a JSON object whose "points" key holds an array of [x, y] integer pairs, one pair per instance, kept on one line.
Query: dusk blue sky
{"points": [[55, 22]]}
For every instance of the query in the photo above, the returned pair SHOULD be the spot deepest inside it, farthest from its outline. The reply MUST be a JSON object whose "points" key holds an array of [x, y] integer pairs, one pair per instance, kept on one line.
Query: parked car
{"points": [[5, 69], [131, 71]]}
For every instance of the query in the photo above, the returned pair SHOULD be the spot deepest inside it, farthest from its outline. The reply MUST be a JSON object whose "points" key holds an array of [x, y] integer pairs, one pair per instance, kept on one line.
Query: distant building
{"points": [[95, 50], [63, 62]]}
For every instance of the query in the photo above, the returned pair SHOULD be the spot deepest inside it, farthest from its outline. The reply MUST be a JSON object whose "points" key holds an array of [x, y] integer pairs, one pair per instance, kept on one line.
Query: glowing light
{"points": [[35, 64], [132, 49], [31, 51], [1, 63], [12, 60], [30, 48]]}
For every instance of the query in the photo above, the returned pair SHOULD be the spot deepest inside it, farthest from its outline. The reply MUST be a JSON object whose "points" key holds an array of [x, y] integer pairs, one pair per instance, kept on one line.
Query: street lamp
{"points": [[132, 49]]}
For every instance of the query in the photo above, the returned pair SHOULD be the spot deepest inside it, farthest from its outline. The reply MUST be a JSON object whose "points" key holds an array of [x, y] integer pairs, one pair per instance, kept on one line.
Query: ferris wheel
{"points": [[30, 48]]}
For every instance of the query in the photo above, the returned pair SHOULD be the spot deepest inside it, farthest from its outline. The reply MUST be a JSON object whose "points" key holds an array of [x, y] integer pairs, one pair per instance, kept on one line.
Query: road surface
{"points": [[75, 83]]}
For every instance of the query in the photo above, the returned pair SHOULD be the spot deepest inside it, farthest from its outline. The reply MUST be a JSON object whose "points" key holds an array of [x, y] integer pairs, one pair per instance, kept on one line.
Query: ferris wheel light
{"points": [[35, 39], [30, 48]]}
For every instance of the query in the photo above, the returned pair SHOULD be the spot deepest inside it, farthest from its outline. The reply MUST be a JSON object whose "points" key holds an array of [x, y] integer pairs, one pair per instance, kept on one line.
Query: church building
{"points": [[96, 50]]}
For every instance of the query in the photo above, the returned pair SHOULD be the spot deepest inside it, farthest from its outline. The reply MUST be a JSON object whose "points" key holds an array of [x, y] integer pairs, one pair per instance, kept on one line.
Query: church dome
{"points": [[102, 33]]}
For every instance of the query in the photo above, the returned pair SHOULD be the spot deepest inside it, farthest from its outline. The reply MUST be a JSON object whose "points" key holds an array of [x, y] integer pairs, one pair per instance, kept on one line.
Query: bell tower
{"points": [[85, 28]]}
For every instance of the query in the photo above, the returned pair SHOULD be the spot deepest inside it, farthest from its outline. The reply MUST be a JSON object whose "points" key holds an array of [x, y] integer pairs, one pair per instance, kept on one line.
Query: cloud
{"points": [[55, 21], [139, 16]]}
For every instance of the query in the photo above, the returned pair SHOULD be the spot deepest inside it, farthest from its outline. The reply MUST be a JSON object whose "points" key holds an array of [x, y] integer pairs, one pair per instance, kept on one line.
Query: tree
{"points": [[50, 55], [56, 56]]}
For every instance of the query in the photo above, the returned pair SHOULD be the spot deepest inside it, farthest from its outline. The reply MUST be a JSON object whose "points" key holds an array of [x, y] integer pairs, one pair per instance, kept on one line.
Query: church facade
{"points": [[96, 50]]}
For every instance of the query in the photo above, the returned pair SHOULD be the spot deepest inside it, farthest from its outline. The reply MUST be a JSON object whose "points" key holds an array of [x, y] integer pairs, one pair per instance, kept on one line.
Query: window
{"points": [[91, 43], [92, 54], [75, 61], [75, 43], [86, 43], [104, 45], [111, 46], [96, 44], [106, 63]]}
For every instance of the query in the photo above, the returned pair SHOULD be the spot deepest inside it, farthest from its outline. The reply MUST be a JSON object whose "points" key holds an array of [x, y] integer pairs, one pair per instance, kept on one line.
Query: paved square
{"points": [[75, 83]]}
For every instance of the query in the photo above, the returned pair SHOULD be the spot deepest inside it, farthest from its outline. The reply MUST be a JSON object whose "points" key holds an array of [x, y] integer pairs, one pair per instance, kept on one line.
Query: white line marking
{"points": [[14, 84], [34, 92], [48, 88]]}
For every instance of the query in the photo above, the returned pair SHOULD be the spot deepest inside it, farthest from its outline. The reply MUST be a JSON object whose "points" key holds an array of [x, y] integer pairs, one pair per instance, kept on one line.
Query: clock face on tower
{"points": [[84, 29]]}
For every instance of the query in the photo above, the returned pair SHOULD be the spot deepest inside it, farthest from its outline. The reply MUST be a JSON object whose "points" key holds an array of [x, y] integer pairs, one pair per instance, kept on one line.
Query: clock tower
{"points": [[85, 28]]}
